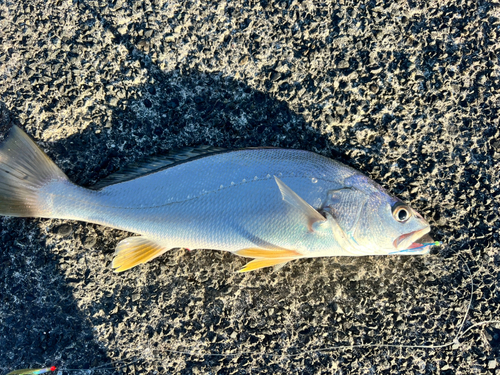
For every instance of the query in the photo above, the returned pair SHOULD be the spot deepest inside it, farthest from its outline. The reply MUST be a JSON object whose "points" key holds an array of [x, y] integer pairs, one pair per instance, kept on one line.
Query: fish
{"points": [[273, 205]]}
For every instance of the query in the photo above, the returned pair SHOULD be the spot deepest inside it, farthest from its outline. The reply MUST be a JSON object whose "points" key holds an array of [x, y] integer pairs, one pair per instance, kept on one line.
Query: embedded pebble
{"points": [[64, 230]]}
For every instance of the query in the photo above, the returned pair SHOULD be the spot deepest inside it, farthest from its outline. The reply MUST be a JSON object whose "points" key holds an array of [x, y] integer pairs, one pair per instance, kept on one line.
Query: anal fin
{"points": [[133, 251]]}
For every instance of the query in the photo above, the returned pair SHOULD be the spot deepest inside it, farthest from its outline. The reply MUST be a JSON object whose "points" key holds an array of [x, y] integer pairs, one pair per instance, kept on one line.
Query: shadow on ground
{"points": [[46, 261]]}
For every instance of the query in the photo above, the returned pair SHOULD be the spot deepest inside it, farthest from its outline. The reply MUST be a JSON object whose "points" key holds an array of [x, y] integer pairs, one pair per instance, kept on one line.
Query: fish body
{"points": [[228, 201], [271, 204]]}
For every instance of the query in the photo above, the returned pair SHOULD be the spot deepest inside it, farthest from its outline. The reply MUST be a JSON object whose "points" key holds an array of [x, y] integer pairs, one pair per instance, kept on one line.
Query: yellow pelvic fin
{"points": [[133, 251], [266, 253], [267, 257], [264, 262]]}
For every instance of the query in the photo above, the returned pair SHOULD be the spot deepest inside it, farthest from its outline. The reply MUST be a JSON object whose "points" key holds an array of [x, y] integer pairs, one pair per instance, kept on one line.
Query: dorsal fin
{"points": [[153, 164]]}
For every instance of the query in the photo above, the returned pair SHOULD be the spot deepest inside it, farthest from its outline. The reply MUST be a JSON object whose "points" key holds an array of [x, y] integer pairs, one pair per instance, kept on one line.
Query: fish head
{"points": [[390, 226], [372, 222]]}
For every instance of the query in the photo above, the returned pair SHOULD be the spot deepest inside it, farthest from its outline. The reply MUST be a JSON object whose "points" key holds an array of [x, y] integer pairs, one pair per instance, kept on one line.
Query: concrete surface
{"points": [[407, 92]]}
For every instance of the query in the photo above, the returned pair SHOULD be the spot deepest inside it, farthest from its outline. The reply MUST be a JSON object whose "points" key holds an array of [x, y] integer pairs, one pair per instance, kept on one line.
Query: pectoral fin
{"points": [[133, 251], [267, 258], [290, 197]]}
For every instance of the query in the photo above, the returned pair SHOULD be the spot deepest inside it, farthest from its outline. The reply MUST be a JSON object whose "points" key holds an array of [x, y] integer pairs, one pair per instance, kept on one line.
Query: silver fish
{"points": [[271, 204]]}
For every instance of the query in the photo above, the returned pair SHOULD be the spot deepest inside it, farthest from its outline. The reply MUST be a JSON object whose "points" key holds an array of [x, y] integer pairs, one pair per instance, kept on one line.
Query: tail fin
{"points": [[24, 169]]}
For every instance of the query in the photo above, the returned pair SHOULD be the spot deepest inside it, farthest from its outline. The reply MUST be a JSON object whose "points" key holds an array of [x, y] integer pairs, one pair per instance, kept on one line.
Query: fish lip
{"points": [[405, 241]]}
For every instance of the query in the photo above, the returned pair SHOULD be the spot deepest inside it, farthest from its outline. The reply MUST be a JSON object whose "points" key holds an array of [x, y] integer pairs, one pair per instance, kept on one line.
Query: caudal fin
{"points": [[24, 170]]}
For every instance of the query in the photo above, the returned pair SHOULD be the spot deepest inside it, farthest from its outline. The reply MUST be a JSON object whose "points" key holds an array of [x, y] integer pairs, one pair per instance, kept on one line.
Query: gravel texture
{"points": [[407, 92]]}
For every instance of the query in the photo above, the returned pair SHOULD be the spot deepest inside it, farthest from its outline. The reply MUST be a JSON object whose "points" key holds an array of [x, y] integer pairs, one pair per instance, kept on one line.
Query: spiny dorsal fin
{"points": [[153, 164]]}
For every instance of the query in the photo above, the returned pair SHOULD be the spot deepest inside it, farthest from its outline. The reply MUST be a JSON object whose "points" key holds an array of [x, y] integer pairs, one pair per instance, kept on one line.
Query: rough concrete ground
{"points": [[407, 92]]}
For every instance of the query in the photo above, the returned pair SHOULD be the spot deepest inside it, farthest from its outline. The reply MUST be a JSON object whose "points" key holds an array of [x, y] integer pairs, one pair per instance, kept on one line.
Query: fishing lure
{"points": [[32, 371]]}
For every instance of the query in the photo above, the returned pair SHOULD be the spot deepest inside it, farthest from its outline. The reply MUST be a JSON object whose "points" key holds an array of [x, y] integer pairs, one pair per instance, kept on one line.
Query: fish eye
{"points": [[400, 212]]}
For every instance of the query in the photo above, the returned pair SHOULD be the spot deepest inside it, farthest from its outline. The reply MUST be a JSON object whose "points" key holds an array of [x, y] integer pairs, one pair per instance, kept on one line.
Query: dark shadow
{"points": [[52, 267], [41, 322]]}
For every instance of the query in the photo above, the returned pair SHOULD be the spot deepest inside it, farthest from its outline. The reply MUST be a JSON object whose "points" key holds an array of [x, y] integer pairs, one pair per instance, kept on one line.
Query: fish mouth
{"points": [[415, 241]]}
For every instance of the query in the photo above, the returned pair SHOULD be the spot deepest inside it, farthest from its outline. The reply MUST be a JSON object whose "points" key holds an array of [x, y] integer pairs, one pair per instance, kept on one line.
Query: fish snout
{"points": [[413, 239]]}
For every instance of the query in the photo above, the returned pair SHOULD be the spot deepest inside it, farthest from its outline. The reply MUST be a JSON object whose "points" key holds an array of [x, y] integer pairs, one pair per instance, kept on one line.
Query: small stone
{"points": [[143, 44], [113, 101], [64, 230], [275, 76], [344, 64], [169, 38], [492, 364], [243, 60], [148, 103], [89, 242], [121, 94]]}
